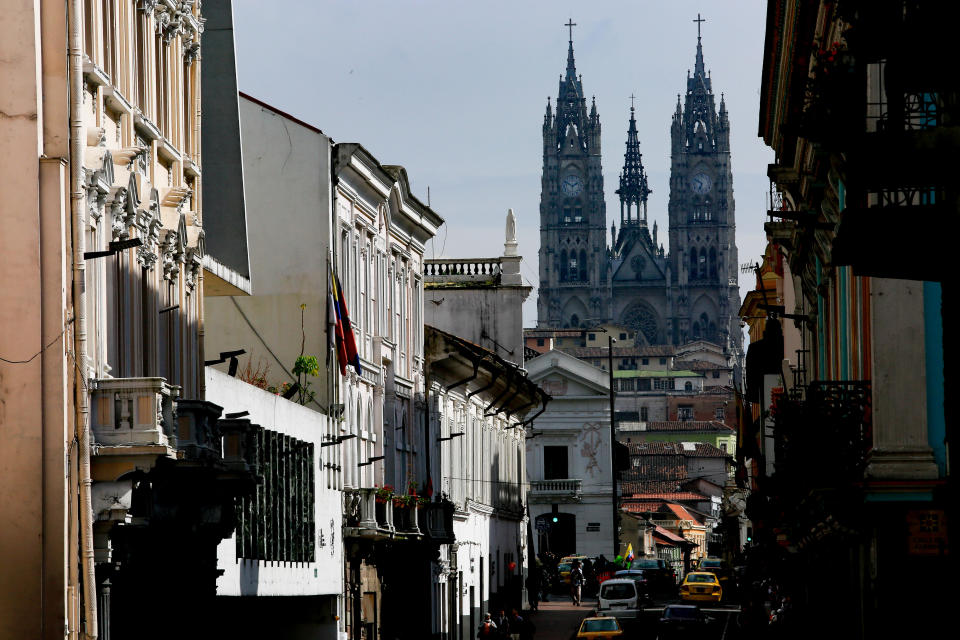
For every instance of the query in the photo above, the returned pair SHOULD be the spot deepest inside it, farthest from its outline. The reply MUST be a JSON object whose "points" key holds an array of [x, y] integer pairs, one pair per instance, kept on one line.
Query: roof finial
{"points": [[698, 21], [631, 101], [571, 24]]}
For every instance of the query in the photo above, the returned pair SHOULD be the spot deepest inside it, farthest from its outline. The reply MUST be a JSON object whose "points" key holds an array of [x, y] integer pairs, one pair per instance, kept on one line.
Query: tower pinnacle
{"points": [[633, 189]]}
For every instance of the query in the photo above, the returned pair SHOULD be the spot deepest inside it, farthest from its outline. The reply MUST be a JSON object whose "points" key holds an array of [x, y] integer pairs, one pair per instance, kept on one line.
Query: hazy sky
{"points": [[455, 92]]}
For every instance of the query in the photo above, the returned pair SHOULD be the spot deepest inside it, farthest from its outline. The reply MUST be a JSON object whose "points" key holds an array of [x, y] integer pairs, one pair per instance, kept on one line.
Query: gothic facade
{"points": [[687, 294]]}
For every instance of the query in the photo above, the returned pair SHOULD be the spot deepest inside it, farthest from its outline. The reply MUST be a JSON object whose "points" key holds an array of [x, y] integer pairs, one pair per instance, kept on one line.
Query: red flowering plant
{"points": [[385, 493]]}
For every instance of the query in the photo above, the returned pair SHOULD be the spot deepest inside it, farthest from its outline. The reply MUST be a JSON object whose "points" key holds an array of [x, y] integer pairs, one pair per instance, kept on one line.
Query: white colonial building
{"points": [[568, 458]]}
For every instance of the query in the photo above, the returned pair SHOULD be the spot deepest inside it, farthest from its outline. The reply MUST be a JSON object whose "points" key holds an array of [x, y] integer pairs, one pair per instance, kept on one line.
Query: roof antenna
{"points": [[428, 195]]}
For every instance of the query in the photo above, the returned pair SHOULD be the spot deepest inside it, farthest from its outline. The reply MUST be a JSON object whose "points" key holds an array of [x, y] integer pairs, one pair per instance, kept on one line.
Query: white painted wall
{"points": [[252, 577]]}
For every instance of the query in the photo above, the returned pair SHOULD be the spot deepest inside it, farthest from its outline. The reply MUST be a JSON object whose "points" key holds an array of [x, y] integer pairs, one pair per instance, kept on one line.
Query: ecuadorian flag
{"points": [[629, 556]]}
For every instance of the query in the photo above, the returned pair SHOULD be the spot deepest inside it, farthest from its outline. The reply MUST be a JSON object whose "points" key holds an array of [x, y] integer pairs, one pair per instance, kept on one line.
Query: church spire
{"points": [[571, 66], [633, 189]]}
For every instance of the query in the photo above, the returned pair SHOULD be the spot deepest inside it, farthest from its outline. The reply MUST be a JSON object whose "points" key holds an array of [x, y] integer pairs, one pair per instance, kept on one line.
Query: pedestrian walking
{"points": [[488, 628], [503, 624], [576, 582], [516, 625]]}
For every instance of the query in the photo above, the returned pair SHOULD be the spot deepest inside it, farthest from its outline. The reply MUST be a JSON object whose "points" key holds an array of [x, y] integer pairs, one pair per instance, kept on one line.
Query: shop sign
{"points": [[926, 532]]}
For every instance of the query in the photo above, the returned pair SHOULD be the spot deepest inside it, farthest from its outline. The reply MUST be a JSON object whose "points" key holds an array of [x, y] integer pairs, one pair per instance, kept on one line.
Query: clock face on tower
{"points": [[571, 185], [701, 183]]}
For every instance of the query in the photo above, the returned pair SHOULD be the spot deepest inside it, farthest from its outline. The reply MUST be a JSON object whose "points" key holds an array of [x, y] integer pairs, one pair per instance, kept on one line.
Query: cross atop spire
{"points": [[571, 24], [631, 101], [698, 21]]}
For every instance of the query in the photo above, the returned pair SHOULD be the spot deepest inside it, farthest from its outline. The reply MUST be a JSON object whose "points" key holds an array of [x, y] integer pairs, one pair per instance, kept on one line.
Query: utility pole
{"points": [[613, 457]]}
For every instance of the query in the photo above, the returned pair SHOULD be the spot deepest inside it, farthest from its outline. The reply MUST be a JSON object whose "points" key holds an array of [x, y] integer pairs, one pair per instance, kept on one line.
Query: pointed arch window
{"points": [[703, 264], [693, 264], [583, 266], [713, 263], [563, 266], [696, 331], [574, 321]]}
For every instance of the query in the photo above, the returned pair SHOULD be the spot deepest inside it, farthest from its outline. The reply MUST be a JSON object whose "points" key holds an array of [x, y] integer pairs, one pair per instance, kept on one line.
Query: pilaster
{"points": [[901, 450]]}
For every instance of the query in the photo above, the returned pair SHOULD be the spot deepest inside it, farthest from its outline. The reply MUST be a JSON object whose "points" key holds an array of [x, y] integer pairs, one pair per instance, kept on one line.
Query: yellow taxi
{"points": [[600, 628], [701, 586], [566, 564]]}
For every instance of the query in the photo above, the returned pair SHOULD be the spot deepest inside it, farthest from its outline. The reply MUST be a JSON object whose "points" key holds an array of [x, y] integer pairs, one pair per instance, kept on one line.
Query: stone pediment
{"points": [[640, 264], [561, 374]]}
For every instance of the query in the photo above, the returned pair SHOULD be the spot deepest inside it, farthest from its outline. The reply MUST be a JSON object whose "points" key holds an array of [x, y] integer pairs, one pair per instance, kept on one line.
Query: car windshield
{"points": [[563, 567], [600, 624], [620, 591], [680, 613], [645, 564], [701, 577], [629, 574], [711, 564]]}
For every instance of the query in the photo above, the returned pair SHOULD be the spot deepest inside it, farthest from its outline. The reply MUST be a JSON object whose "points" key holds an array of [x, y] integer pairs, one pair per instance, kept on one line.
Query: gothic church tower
{"points": [[574, 261], [703, 250]]}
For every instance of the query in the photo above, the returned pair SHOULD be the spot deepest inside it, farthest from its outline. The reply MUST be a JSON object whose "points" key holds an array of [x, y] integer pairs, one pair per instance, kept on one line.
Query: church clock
{"points": [[572, 185], [701, 183]]}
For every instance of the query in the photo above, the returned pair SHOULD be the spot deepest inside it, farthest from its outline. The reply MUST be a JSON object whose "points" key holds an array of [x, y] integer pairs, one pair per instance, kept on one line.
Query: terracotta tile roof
{"points": [[677, 425], [652, 467], [681, 513], [686, 449], [699, 365], [640, 498], [668, 535], [659, 351], [649, 486]]}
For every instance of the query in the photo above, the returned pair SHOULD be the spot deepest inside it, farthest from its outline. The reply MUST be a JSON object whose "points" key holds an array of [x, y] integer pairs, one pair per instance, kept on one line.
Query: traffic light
{"points": [[556, 519], [749, 534]]}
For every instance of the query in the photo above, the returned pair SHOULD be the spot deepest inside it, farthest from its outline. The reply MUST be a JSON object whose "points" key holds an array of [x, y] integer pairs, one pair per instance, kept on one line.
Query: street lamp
{"points": [[613, 457]]}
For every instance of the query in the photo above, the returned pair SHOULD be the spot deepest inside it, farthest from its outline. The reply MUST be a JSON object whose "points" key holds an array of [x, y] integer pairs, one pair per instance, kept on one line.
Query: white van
{"points": [[619, 598]]}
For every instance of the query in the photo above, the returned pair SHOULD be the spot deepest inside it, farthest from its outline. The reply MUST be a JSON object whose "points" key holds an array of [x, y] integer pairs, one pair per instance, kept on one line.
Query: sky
{"points": [[455, 92]]}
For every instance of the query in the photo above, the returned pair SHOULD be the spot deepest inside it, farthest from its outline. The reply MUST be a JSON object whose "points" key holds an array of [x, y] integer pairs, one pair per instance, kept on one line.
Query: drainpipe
{"points": [[81, 397]]}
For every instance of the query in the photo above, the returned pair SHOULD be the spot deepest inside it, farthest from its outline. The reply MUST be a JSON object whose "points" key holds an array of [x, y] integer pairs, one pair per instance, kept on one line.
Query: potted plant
{"points": [[383, 497]]}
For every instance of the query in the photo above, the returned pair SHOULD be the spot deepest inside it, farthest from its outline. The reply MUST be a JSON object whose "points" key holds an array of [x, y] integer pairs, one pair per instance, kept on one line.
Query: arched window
{"points": [[693, 264], [688, 386], [583, 266], [704, 321], [713, 262], [712, 332], [574, 321], [696, 331], [703, 264], [563, 266]]}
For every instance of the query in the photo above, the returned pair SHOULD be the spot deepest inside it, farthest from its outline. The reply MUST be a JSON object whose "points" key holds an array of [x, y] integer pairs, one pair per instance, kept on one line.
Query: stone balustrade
{"points": [[565, 487], [134, 412], [462, 269]]}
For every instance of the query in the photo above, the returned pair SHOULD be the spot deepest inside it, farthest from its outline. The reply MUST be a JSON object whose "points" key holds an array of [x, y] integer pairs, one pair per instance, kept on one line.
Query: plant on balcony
{"points": [[830, 100], [256, 376], [422, 500], [384, 494], [404, 500]]}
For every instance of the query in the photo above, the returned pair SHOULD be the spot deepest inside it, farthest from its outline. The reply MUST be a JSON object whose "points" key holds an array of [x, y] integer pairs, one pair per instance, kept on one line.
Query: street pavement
{"points": [[559, 619]]}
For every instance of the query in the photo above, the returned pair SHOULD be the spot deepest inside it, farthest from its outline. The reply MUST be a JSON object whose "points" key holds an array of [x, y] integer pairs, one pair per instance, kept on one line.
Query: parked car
{"points": [[639, 576], [723, 571], [661, 577], [620, 598], [700, 586], [599, 627], [682, 620]]}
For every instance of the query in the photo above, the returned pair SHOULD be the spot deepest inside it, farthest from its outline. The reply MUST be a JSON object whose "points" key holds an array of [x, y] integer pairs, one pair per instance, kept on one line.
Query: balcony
{"points": [[832, 425], [365, 516], [565, 490], [134, 412], [198, 435], [438, 522], [406, 520]]}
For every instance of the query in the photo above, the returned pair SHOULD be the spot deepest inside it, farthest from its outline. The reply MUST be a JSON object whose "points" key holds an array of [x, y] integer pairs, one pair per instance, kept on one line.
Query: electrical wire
{"points": [[267, 347], [50, 344]]}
